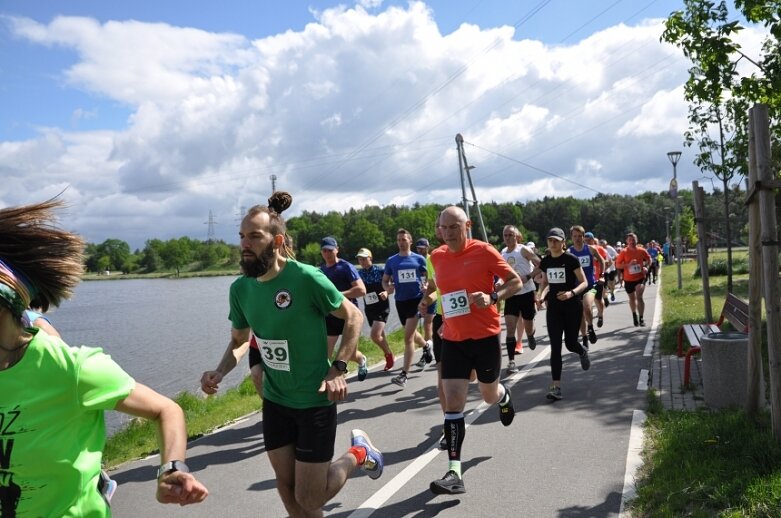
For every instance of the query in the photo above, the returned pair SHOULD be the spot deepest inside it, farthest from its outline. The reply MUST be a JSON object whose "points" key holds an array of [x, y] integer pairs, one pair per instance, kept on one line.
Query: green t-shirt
{"points": [[52, 430], [287, 315]]}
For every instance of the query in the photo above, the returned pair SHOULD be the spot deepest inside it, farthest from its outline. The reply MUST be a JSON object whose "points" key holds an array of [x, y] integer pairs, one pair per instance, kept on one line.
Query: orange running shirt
{"points": [[459, 274], [631, 261], [597, 265]]}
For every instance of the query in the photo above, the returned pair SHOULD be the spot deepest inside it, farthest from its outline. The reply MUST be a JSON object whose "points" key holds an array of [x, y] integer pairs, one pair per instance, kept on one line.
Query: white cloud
{"points": [[357, 108]]}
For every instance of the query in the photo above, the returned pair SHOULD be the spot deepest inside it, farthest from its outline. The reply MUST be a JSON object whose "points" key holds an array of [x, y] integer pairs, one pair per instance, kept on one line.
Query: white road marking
{"points": [[649, 344], [376, 501], [633, 459], [642, 382]]}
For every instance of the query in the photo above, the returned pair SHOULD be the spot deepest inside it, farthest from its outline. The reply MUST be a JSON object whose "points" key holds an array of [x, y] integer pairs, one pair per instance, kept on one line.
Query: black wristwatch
{"points": [[340, 365], [494, 297], [171, 466]]}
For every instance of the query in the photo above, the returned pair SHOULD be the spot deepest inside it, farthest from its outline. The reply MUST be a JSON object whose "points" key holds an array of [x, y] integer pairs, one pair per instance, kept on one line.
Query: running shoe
{"points": [[612, 297], [400, 380], [607, 302], [427, 354], [642, 322], [511, 367], [600, 321], [592, 336], [363, 370], [507, 411], [389, 361], [518, 347], [532, 342], [374, 462], [585, 342], [634, 318], [450, 484], [584, 361], [554, 393]]}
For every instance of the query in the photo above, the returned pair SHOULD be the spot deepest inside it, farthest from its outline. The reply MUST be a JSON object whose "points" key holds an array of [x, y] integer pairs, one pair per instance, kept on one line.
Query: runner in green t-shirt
{"points": [[282, 305], [52, 396]]}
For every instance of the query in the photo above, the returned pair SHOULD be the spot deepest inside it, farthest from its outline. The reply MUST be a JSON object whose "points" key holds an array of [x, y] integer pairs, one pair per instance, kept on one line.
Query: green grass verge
{"points": [[704, 463], [206, 414]]}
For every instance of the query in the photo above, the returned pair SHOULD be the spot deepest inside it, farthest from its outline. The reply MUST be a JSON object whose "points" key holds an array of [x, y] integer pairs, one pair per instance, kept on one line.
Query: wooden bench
{"points": [[735, 311]]}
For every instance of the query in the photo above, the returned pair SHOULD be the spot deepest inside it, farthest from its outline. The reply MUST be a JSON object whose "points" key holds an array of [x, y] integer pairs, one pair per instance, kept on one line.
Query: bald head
{"points": [[455, 227]]}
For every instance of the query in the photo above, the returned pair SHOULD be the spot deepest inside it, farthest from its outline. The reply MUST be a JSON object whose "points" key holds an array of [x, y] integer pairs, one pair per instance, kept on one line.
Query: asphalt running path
{"points": [[574, 457]]}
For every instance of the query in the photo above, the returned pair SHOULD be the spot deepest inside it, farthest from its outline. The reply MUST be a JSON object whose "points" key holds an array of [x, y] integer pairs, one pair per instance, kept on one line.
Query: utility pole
{"points": [[273, 183], [210, 231], [464, 169]]}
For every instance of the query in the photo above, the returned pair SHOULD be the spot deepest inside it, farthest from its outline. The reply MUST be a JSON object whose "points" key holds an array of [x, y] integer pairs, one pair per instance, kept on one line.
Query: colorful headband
{"points": [[16, 290]]}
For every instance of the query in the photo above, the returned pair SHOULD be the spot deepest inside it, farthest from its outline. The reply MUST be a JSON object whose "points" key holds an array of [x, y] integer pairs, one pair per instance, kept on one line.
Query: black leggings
{"points": [[563, 318]]}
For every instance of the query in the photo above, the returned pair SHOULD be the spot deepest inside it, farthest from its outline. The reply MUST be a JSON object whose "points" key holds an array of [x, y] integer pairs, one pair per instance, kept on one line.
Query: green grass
{"points": [[704, 463], [206, 414]]}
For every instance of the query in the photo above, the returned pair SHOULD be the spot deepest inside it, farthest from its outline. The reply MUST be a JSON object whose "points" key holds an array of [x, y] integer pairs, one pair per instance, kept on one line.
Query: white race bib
{"points": [[371, 298], [585, 260], [410, 275], [635, 268], [557, 275], [455, 304], [275, 354]]}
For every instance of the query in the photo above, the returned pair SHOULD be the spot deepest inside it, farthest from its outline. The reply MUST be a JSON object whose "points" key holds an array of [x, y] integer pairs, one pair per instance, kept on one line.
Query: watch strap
{"points": [[172, 465], [340, 365]]}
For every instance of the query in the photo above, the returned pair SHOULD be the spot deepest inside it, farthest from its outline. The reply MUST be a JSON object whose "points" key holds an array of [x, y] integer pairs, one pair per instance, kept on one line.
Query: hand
{"points": [[383, 295], [334, 385], [180, 488], [480, 299], [423, 307], [565, 295], [210, 382]]}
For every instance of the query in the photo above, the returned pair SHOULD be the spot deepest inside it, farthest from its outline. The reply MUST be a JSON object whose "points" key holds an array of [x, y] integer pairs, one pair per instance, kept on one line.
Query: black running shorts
{"points": [[311, 430]]}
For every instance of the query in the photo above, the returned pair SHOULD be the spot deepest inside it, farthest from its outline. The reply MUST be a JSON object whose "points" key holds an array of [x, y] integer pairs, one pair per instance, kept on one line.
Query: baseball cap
{"points": [[328, 243], [421, 243], [531, 244], [364, 252], [555, 233], [589, 235]]}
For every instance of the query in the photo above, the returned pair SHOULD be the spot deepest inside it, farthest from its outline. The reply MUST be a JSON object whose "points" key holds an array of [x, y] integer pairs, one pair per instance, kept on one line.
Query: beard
{"points": [[260, 264]]}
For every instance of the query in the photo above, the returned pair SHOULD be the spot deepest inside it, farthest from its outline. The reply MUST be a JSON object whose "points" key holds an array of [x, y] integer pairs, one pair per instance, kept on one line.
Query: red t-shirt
{"points": [[597, 265], [631, 261], [461, 273]]}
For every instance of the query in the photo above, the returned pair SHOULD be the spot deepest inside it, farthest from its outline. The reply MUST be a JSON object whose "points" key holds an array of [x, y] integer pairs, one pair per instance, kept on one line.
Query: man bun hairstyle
{"points": [[280, 201]]}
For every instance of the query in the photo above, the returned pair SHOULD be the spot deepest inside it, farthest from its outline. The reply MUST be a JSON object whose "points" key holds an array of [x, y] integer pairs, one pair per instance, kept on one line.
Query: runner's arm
{"points": [[237, 347], [334, 383], [357, 289], [387, 283]]}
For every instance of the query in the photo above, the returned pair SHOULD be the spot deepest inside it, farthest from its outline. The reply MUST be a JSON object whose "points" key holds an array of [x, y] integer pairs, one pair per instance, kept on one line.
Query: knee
{"points": [[309, 501], [376, 336]]}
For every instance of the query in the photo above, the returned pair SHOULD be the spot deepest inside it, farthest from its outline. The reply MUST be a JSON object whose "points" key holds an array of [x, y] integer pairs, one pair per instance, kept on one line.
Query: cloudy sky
{"points": [[151, 116]]}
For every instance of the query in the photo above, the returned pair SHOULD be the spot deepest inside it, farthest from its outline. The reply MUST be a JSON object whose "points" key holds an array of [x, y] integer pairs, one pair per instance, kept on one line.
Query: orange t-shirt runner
{"points": [[461, 273], [597, 265], [632, 263]]}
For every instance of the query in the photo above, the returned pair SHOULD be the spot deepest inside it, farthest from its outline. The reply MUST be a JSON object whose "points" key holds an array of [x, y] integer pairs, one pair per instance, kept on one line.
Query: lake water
{"points": [[163, 332]]}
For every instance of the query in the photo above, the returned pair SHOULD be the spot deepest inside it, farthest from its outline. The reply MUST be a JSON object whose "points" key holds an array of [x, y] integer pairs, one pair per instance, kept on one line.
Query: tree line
{"points": [[609, 216]]}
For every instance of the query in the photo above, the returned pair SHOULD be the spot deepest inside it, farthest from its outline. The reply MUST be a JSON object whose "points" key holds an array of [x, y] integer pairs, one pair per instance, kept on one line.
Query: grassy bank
{"points": [[204, 414], [705, 463]]}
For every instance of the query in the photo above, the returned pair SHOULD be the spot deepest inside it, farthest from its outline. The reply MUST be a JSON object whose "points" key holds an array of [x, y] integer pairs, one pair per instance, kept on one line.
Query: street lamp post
{"points": [[674, 156]]}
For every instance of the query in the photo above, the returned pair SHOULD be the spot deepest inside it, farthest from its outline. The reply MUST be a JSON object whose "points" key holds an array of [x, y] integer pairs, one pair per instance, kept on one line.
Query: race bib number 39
{"points": [[556, 276], [275, 354], [410, 275], [455, 304]]}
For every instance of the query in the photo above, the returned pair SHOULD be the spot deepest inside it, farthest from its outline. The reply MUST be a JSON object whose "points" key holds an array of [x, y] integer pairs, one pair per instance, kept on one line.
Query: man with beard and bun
{"points": [[634, 262], [521, 304], [465, 270], [283, 303]]}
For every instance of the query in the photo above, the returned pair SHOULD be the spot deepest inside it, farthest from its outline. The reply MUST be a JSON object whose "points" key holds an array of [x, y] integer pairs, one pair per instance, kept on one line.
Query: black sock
{"points": [[511, 348], [455, 428]]}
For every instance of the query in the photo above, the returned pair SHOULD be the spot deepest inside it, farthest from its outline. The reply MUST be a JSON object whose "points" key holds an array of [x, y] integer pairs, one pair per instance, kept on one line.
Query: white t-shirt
{"points": [[611, 252], [521, 265]]}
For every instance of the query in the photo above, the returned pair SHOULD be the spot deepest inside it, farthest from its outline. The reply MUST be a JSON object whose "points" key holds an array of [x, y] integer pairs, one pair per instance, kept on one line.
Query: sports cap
{"points": [[421, 243], [328, 243], [555, 233], [364, 252]]}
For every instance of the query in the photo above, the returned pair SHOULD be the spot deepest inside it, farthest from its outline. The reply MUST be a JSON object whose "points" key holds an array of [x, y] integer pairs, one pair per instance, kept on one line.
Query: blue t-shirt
{"points": [[342, 274], [408, 272], [586, 261]]}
